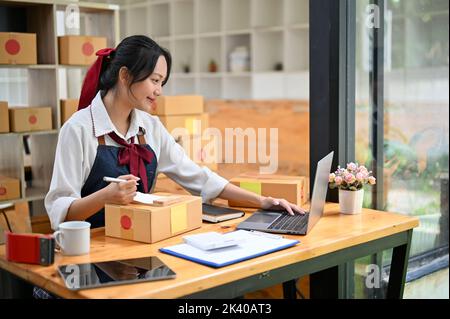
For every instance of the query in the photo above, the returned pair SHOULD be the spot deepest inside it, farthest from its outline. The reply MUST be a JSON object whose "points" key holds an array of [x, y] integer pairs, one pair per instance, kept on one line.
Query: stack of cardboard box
{"points": [[185, 119]]}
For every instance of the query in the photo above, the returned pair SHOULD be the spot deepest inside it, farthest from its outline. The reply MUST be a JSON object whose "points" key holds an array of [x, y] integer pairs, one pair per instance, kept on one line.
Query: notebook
{"points": [[215, 214], [250, 245]]}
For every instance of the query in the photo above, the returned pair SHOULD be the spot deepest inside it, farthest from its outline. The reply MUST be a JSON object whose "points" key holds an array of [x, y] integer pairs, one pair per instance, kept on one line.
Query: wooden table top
{"points": [[333, 232]]}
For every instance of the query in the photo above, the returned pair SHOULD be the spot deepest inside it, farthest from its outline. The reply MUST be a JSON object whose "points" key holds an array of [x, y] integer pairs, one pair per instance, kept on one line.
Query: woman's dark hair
{"points": [[139, 54]]}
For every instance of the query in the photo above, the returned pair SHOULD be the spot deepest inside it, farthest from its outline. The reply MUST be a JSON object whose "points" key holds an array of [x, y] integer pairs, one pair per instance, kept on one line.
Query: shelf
{"points": [[182, 17], [45, 83], [270, 85], [275, 33], [136, 20], [238, 74], [29, 66], [183, 87], [183, 54], [209, 13], [297, 50], [268, 13], [95, 21], [35, 193], [210, 88], [38, 21], [211, 74], [29, 133], [271, 43], [237, 88], [183, 75], [303, 26], [159, 20], [234, 41], [209, 34], [297, 12], [297, 85], [210, 49], [237, 14]]}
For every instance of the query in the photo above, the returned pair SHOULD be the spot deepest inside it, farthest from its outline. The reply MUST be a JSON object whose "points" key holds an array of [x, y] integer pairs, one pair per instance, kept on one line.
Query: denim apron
{"points": [[106, 164]]}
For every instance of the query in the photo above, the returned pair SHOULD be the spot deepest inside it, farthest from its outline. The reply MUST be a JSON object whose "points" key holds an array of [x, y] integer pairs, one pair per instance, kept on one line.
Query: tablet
{"points": [[114, 272]]}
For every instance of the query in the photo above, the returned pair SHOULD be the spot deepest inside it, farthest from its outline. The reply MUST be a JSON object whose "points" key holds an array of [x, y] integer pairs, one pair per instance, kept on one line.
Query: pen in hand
{"points": [[115, 180]]}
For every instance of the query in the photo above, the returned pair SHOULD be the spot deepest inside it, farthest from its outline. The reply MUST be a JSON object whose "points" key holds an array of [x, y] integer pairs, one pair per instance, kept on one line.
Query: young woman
{"points": [[113, 135]]}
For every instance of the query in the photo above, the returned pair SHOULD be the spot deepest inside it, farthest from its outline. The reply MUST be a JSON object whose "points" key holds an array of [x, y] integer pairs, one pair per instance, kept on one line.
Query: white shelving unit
{"points": [[276, 33], [45, 84]]}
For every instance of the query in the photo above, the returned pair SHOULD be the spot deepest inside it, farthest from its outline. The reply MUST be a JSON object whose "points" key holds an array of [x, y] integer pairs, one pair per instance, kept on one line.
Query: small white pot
{"points": [[350, 202]]}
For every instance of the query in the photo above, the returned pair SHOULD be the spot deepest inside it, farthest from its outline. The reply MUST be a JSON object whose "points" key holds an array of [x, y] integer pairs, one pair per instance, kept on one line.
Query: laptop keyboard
{"points": [[290, 223]]}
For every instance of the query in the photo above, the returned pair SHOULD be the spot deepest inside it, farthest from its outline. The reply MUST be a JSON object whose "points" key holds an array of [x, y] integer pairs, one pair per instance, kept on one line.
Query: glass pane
{"points": [[416, 112]]}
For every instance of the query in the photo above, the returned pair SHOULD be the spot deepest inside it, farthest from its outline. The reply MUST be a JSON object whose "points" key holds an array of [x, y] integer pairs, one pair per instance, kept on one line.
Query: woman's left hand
{"points": [[280, 204]]}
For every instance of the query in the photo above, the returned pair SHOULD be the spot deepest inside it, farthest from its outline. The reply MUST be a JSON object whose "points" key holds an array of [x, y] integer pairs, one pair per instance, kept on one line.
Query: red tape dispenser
{"points": [[30, 248]]}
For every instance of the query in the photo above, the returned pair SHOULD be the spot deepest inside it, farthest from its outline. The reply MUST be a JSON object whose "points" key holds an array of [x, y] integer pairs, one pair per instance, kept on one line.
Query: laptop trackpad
{"points": [[259, 220]]}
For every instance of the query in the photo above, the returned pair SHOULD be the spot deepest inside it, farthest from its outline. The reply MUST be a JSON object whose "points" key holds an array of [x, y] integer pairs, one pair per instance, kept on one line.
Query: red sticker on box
{"points": [[32, 119], [125, 222], [2, 191], [12, 47], [87, 49]]}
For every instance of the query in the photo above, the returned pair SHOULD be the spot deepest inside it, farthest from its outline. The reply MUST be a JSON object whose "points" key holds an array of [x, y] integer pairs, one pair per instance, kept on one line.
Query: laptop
{"points": [[283, 223]]}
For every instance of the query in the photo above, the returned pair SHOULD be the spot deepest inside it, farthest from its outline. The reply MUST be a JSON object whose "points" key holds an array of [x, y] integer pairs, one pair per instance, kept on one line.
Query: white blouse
{"points": [[77, 148]]}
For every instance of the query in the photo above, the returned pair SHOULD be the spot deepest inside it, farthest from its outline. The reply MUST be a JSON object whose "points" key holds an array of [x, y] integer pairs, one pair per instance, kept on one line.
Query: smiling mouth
{"points": [[151, 100]]}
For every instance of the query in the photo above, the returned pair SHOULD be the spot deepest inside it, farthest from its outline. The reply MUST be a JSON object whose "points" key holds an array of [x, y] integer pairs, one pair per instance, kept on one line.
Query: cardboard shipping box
{"points": [[294, 189], [25, 119], [179, 105], [9, 188], [68, 107], [150, 224], [182, 125], [79, 50], [4, 117], [18, 48]]}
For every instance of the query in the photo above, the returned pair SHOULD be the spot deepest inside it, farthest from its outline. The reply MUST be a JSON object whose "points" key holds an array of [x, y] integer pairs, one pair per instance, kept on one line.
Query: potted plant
{"points": [[350, 181], [212, 67]]}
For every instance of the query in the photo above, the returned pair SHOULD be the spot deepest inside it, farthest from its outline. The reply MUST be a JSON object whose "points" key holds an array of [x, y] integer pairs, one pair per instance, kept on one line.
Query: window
{"points": [[413, 137]]}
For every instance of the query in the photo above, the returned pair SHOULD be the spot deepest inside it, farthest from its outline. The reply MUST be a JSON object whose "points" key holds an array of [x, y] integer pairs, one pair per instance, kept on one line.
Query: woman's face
{"points": [[144, 93]]}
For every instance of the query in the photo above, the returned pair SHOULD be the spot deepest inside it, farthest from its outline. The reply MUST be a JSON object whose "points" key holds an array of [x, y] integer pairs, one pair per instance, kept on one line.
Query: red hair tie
{"points": [[90, 84]]}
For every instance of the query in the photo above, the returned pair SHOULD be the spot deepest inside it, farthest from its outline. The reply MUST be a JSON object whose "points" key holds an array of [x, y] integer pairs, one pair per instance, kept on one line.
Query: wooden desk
{"points": [[335, 240]]}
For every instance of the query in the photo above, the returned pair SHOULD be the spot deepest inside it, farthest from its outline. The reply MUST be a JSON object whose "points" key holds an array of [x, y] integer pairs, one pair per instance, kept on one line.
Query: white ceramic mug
{"points": [[74, 238]]}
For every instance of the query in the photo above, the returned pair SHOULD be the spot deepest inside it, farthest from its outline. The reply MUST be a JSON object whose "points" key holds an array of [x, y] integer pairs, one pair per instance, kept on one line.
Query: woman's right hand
{"points": [[122, 193]]}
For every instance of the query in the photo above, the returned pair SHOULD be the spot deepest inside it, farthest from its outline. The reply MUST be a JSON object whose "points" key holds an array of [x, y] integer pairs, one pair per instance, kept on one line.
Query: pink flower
{"points": [[332, 177], [360, 177], [338, 180], [352, 166], [349, 178], [363, 169], [372, 180]]}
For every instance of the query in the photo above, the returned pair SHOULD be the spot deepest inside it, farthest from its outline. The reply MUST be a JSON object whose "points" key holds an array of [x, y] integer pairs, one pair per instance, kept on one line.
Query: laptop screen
{"points": [[320, 189]]}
